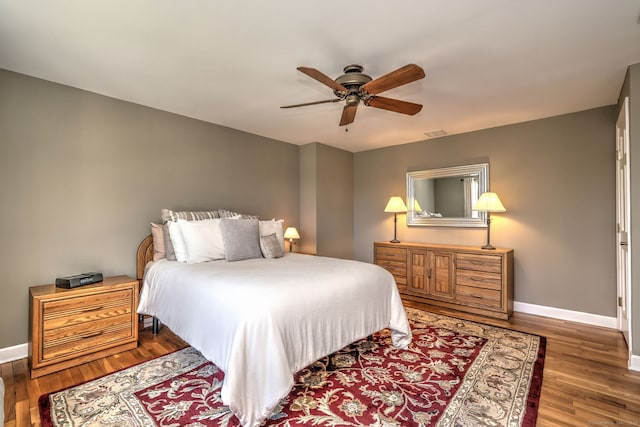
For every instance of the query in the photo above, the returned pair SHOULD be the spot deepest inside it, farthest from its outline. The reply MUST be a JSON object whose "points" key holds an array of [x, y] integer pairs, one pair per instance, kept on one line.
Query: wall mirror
{"points": [[444, 197]]}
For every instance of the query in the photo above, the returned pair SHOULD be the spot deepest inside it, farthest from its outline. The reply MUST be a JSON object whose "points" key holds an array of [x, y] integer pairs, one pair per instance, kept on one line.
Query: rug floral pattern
{"points": [[455, 373]]}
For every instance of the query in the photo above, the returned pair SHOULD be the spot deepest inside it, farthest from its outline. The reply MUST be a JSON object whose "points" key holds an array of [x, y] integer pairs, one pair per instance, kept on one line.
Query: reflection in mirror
{"points": [[445, 196]]}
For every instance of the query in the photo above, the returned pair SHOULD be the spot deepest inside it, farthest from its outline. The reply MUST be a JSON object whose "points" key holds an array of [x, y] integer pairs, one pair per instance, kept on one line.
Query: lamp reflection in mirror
{"points": [[489, 202], [291, 233], [395, 205]]}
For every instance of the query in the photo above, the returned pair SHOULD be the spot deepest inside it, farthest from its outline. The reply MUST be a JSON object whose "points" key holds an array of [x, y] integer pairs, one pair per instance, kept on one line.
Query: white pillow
{"points": [[175, 234], [270, 227], [202, 240]]}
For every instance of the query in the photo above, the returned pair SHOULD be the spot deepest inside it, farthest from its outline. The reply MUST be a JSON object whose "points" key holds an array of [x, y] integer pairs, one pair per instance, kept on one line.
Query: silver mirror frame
{"points": [[481, 169]]}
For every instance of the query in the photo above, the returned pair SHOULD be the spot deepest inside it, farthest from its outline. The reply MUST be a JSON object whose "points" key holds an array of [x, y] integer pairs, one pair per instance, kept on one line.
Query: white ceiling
{"points": [[233, 63]]}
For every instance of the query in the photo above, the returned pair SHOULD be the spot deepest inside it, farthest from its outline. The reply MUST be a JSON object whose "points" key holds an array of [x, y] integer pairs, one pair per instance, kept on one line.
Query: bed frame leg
{"points": [[156, 326]]}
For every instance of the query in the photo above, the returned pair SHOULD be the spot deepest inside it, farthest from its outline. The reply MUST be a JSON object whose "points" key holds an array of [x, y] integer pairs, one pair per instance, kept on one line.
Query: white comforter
{"points": [[261, 320]]}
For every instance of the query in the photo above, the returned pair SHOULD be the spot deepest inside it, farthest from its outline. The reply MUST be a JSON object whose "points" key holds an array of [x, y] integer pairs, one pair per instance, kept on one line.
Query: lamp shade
{"points": [[489, 202], [396, 204], [291, 233], [416, 206]]}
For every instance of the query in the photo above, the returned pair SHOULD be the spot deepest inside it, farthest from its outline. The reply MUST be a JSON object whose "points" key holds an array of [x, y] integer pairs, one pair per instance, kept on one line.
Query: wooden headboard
{"points": [[144, 255]]}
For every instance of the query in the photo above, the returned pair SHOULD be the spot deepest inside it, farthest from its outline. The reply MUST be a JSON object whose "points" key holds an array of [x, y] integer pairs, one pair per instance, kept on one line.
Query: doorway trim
{"points": [[623, 234]]}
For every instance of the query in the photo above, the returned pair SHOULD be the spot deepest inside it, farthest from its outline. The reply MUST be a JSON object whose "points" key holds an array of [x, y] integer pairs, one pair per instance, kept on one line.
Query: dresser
{"points": [[69, 327], [464, 278]]}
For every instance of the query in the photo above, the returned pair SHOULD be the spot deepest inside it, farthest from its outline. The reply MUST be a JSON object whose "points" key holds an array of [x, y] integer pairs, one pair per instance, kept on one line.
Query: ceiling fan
{"points": [[354, 86]]}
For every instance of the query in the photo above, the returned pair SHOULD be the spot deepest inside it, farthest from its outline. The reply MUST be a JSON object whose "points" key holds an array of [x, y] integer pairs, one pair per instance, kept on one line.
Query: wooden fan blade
{"points": [[326, 80], [395, 105], [348, 115], [311, 103], [401, 76]]}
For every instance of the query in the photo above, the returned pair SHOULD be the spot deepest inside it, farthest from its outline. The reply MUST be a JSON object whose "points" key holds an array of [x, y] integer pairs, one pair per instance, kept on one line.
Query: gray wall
{"points": [[556, 178], [326, 200], [631, 88], [82, 175], [308, 199]]}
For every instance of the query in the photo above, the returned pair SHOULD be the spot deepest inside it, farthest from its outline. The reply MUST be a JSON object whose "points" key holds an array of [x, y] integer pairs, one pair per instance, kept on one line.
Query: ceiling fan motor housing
{"points": [[352, 79]]}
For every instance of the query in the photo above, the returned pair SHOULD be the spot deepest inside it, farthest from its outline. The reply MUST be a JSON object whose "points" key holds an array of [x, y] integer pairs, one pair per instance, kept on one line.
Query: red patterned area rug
{"points": [[455, 373]]}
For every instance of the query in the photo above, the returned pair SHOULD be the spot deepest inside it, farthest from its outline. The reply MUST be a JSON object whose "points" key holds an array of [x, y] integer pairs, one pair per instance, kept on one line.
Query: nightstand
{"points": [[69, 327]]}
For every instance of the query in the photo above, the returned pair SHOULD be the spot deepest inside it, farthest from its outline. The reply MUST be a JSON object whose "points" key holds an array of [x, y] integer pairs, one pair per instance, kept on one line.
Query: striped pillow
{"points": [[230, 214], [169, 215]]}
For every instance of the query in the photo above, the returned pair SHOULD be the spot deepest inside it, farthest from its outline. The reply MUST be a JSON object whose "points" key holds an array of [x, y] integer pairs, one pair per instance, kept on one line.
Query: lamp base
{"points": [[489, 247], [394, 241]]}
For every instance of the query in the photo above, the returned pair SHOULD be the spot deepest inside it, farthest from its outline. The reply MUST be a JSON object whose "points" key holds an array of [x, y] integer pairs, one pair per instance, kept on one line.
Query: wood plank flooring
{"points": [[586, 381]]}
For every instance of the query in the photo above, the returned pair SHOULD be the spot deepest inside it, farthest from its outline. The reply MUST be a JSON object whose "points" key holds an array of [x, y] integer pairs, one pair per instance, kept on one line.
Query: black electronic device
{"points": [[78, 280]]}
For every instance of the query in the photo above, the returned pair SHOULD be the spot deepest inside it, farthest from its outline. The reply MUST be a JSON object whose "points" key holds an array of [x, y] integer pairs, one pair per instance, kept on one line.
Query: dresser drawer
{"points": [[391, 254], [394, 267], [479, 279], [488, 263], [478, 297]]}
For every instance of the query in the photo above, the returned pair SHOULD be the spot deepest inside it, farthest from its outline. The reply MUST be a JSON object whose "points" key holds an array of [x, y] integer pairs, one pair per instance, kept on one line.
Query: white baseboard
{"points": [[9, 354], [562, 314], [634, 363]]}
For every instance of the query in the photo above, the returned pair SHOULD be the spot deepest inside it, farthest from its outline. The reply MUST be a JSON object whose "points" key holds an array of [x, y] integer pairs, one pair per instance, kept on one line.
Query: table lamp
{"points": [[395, 205], [489, 202]]}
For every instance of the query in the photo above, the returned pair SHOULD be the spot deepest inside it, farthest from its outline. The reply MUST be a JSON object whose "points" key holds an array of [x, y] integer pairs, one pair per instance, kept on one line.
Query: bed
{"points": [[262, 320]]}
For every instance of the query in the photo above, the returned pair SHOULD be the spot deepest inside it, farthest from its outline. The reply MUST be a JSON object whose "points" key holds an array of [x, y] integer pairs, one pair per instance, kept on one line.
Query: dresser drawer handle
{"points": [[94, 335], [477, 262], [93, 309]]}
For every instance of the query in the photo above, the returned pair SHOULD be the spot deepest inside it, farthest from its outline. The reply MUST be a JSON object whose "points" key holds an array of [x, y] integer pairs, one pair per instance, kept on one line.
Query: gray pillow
{"points": [[241, 239], [270, 246]]}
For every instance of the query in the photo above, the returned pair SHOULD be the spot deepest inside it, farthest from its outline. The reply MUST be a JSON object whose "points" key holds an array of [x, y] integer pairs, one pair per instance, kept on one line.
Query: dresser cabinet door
{"points": [[440, 273], [431, 273], [418, 280]]}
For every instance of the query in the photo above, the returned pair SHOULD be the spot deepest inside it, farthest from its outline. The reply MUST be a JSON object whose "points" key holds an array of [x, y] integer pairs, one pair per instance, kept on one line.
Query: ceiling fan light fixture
{"points": [[352, 99]]}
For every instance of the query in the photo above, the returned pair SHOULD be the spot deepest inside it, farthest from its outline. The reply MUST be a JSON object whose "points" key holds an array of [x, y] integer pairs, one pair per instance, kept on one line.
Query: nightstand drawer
{"points": [[79, 310], [67, 342]]}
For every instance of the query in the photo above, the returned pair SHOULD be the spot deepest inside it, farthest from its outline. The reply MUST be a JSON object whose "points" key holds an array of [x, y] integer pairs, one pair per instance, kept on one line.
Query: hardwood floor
{"points": [[586, 382]]}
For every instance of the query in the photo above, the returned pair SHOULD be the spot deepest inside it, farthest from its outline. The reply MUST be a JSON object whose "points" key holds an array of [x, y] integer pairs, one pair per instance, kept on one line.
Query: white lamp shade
{"points": [[489, 202], [291, 233], [396, 204], [416, 206]]}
